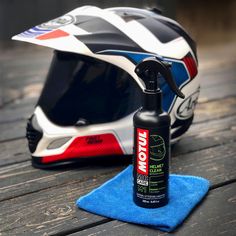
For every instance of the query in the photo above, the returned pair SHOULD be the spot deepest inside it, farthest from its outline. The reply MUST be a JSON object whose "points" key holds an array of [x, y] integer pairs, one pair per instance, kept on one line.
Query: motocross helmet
{"points": [[91, 91]]}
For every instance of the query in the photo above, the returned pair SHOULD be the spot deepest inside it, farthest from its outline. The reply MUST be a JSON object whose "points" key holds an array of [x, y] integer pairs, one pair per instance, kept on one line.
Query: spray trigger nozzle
{"points": [[149, 70]]}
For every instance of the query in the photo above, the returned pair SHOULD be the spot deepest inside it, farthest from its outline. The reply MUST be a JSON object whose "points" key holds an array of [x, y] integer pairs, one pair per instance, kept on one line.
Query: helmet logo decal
{"points": [[94, 139], [58, 22], [142, 147], [44, 31], [186, 108], [157, 151]]}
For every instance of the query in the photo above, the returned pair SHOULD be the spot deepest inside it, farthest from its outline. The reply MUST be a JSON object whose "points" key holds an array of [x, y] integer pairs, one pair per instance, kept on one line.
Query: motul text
{"points": [[142, 154]]}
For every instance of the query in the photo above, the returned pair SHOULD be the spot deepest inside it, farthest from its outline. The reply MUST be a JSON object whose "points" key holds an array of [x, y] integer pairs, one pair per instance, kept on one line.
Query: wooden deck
{"points": [[42, 202]]}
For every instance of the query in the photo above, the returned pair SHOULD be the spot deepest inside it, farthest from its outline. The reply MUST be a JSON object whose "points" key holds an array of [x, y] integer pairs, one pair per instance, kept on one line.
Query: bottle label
{"points": [[142, 151], [151, 164]]}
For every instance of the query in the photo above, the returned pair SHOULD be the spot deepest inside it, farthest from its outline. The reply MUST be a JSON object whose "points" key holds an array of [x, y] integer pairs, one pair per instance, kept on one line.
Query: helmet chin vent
{"points": [[58, 143], [33, 133]]}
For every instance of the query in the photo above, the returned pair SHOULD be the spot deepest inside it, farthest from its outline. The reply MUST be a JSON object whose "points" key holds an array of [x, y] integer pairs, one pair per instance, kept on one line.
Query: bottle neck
{"points": [[152, 101]]}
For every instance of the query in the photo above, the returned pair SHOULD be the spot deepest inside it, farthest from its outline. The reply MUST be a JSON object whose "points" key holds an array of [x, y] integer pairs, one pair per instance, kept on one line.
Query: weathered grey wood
{"points": [[213, 163], [218, 75], [23, 102], [215, 109], [207, 134], [218, 92], [218, 82], [13, 130], [43, 185], [52, 210], [13, 152], [16, 114], [203, 141], [22, 72], [215, 125], [22, 178], [214, 216]]}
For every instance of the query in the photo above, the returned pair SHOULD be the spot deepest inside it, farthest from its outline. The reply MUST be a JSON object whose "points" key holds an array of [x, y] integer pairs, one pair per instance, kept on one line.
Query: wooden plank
{"points": [[215, 125], [214, 216], [218, 82], [16, 114], [215, 109], [49, 191], [207, 134], [204, 112], [13, 152], [203, 140], [218, 75], [22, 178], [22, 102], [218, 92], [13, 130], [21, 70], [212, 163], [19, 109], [48, 211], [11, 93]]}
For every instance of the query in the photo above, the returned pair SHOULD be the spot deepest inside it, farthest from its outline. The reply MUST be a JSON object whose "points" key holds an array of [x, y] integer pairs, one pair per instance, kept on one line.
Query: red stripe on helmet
{"points": [[191, 65], [88, 146], [53, 34]]}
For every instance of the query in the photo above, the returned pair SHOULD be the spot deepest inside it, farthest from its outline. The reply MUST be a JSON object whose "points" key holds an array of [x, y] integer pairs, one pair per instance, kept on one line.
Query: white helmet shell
{"points": [[121, 37]]}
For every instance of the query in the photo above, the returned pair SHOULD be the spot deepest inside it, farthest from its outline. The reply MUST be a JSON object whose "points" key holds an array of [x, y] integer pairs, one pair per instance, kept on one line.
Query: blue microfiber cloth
{"points": [[114, 199]]}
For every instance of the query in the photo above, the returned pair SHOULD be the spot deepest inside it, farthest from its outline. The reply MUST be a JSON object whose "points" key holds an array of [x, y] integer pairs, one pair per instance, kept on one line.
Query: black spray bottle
{"points": [[152, 137]]}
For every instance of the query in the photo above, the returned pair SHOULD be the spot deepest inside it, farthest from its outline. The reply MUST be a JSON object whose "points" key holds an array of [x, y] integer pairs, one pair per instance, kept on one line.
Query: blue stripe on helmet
{"points": [[178, 70]]}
